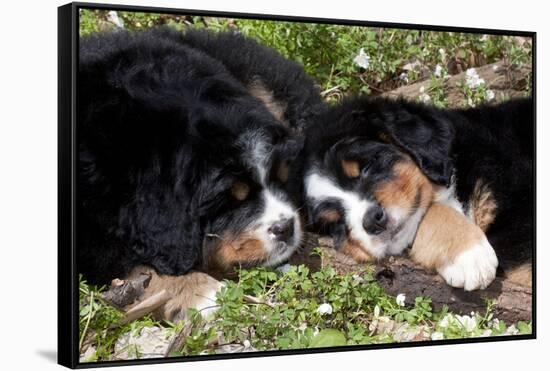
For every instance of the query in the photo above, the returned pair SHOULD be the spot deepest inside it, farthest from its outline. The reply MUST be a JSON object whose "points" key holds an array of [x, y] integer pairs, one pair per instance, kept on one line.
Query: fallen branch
{"points": [[504, 80]]}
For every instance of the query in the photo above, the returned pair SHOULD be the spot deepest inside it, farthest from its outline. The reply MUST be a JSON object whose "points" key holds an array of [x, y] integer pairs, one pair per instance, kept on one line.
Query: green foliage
{"points": [[327, 51], [99, 322], [328, 338], [288, 313]]}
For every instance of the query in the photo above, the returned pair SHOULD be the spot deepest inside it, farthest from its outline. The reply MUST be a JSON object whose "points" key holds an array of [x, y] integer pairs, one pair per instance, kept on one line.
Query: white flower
{"points": [[362, 59], [489, 95], [315, 331], [472, 79], [422, 89], [403, 77], [467, 322], [324, 308], [376, 311], [438, 71], [113, 17], [437, 335], [357, 278], [471, 72], [446, 321], [425, 98], [472, 313], [400, 300], [512, 330]]}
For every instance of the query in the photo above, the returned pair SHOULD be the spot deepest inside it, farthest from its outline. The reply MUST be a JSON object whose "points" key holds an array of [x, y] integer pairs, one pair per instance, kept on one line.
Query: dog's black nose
{"points": [[375, 220], [283, 230]]}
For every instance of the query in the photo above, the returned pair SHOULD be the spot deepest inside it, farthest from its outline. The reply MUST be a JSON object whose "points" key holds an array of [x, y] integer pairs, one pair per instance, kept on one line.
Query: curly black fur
{"points": [[164, 128]]}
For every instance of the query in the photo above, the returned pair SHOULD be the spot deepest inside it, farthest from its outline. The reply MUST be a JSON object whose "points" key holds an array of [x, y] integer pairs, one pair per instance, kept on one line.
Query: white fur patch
{"points": [[406, 235], [319, 188], [275, 211], [473, 269], [257, 150], [447, 196]]}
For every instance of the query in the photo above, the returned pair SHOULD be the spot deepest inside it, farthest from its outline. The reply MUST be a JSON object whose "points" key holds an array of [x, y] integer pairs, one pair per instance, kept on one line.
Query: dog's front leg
{"points": [[446, 241]]}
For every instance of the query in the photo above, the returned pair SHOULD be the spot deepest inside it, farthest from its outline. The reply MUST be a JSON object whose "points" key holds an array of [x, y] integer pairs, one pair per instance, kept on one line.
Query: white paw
{"points": [[473, 269]]}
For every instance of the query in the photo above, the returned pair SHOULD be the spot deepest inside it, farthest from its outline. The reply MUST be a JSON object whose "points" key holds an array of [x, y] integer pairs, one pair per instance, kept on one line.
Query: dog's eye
{"points": [[282, 171], [351, 168], [240, 190]]}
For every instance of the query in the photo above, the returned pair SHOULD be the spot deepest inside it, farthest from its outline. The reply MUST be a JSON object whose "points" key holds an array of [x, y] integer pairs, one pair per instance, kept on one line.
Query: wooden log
{"points": [[505, 81]]}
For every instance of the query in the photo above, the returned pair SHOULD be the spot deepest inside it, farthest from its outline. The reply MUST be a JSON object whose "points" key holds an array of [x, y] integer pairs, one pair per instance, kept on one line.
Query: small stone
{"points": [[151, 342], [88, 355]]}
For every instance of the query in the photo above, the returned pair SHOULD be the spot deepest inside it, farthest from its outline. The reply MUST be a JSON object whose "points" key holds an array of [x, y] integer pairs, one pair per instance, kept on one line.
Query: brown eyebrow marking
{"points": [[282, 172], [330, 216], [240, 190], [350, 168]]}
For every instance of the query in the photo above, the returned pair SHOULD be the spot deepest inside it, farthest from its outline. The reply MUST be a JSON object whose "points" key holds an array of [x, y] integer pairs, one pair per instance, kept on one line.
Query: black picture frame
{"points": [[68, 41]]}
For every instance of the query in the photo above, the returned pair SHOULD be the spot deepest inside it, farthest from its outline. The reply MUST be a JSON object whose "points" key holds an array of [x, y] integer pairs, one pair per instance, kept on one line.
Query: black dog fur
{"points": [[491, 143], [165, 125]]}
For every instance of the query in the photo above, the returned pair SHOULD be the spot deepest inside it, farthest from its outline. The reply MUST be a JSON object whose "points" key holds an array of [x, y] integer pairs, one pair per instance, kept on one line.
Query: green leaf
{"points": [[524, 328], [328, 338]]}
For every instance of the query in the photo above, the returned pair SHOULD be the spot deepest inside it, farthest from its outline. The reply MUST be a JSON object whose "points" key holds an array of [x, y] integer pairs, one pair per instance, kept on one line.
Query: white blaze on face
{"points": [[319, 188], [276, 210]]}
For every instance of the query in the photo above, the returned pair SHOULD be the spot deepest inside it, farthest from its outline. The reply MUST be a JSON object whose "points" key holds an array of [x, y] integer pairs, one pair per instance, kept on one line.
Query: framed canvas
{"points": [[242, 185]]}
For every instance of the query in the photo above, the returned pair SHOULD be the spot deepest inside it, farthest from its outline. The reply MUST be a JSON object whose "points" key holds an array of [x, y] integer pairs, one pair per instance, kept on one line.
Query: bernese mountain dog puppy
{"points": [[185, 156], [382, 175]]}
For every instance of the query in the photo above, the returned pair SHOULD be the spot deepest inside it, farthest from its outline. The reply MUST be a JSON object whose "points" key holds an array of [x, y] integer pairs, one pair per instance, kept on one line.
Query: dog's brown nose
{"points": [[375, 220], [283, 230]]}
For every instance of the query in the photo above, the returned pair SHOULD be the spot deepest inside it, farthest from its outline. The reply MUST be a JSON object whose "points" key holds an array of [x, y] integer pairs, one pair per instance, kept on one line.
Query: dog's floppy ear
{"points": [[426, 136]]}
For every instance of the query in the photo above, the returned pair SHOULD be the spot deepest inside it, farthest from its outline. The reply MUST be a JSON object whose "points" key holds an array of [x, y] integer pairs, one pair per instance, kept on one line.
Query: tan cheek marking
{"points": [[240, 190], [353, 248], [402, 189], [522, 275], [282, 172], [330, 216], [483, 206], [233, 250], [443, 234], [350, 168]]}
